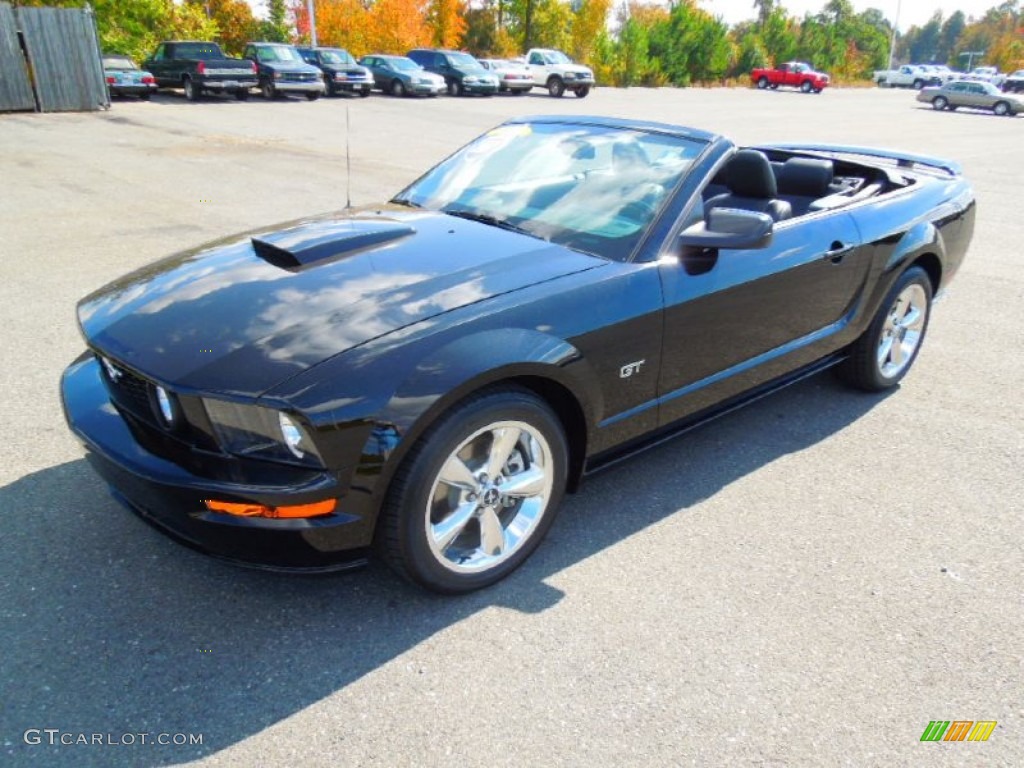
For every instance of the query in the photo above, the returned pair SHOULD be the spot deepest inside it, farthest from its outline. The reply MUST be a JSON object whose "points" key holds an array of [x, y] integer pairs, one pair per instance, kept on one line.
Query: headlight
{"points": [[278, 75], [258, 432], [469, 79]]}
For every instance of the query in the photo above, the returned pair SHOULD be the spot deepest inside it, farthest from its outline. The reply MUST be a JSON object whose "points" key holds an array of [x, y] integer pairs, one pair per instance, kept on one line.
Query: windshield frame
{"points": [[568, 220]]}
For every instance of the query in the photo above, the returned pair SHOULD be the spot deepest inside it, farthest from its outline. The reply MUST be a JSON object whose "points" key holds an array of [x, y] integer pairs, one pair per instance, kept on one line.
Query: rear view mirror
{"points": [[730, 228]]}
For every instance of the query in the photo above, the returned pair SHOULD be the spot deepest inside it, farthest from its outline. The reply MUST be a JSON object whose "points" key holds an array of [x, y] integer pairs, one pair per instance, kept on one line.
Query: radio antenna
{"points": [[348, 163]]}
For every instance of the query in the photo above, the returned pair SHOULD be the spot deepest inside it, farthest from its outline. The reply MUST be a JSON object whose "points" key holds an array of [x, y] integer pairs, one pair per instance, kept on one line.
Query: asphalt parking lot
{"points": [[807, 582]]}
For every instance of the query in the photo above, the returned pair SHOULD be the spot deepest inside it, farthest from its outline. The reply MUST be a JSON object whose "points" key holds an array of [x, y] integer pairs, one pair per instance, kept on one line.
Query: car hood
{"points": [[240, 315]]}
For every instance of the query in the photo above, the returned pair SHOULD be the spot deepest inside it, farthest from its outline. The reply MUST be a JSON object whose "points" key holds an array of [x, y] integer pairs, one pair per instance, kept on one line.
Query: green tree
{"points": [[275, 28]]}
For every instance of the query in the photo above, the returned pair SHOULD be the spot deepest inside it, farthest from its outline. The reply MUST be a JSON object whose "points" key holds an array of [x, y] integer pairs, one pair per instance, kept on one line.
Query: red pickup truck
{"points": [[797, 74]]}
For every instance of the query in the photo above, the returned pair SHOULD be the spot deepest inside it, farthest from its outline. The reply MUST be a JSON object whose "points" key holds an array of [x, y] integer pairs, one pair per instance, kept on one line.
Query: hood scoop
{"points": [[308, 244]]}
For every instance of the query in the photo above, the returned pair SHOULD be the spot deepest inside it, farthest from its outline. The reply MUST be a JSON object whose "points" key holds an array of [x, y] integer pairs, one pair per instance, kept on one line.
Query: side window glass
{"points": [[535, 58]]}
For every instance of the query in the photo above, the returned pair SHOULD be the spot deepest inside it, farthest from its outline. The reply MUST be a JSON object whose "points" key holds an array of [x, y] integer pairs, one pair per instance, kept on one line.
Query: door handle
{"points": [[837, 251]]}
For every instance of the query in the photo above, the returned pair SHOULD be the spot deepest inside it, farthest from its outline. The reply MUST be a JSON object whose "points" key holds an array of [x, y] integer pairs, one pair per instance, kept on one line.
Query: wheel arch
{"points": [[548, 367]]}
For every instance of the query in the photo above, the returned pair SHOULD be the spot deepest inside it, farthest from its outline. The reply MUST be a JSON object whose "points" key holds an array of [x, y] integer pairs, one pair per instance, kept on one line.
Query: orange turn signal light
{"points": [[258, 510]]}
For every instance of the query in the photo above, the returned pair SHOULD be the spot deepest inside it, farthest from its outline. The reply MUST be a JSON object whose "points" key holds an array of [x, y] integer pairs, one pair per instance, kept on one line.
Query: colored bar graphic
{"points": [[958, 731], [982, 730], [935, 730]]}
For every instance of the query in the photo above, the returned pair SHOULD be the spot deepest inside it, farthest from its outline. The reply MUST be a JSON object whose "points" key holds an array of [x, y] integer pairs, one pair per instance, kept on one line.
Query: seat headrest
{"points": [[749, 174], [806, 177]]}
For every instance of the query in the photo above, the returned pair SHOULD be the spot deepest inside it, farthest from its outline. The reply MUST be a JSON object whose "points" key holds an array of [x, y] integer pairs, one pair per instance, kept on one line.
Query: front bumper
{"points": [[430, 89], [171, 497], [291, 86], [479, 87], [573, 84]]}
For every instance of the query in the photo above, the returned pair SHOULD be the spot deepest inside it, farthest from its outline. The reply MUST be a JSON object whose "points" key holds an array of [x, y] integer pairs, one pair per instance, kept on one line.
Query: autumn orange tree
{"points": [[339, 23], [236, 25], [447, 20]]}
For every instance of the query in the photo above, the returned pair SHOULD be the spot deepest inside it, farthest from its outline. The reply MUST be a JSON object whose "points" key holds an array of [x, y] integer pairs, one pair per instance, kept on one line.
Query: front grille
{"points": [[298, 77], [130, 392]]}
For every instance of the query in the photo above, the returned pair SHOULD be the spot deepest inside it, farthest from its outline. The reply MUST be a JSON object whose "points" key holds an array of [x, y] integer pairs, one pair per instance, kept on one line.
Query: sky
{"points": [[911, 12]]}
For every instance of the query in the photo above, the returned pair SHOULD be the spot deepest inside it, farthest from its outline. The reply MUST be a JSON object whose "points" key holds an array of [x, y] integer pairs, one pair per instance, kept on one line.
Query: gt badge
{"points": [[630, 368]]}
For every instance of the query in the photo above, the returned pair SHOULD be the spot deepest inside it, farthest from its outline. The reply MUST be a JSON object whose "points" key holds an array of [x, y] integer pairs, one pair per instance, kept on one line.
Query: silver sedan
{"points": [[975, 95]]}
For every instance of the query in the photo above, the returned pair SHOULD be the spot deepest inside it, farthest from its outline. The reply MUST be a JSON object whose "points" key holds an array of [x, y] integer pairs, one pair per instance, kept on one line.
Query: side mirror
{"points": [[731, 228]]}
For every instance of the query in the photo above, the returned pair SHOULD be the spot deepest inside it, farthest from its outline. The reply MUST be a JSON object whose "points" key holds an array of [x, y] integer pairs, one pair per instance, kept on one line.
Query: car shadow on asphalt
{"points": [[111, 628]]}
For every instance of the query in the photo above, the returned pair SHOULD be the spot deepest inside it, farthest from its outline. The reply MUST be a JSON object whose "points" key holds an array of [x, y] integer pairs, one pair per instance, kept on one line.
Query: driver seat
{"points": [[751, 184]]}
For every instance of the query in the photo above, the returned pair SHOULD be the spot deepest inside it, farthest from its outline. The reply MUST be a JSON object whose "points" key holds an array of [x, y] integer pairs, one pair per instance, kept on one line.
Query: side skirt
{"points": [[613, 456]]}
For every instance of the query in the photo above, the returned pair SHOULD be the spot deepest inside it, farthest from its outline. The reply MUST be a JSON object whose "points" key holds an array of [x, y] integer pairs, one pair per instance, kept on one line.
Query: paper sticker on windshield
{"points": [[509, 131]]}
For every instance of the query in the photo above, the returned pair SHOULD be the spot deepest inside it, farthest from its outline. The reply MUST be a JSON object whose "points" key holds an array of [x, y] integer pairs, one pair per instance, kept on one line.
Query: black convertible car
{"points": [[428, 377]]}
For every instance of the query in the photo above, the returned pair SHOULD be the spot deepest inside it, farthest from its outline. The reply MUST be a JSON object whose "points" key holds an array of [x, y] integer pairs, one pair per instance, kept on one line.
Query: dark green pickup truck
{"points": [[199, 67]]}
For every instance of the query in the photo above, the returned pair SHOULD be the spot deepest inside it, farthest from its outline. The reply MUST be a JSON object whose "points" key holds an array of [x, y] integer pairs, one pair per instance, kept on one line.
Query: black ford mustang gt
{"points": [[428, 377]]}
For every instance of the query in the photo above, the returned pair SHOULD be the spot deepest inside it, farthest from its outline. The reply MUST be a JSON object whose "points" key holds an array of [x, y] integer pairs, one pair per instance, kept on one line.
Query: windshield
{"points": [[118, 62], [201, 51], [592, 188], [338, 57], [556, 57], [277, 53], [463, 61], [403, 64]]}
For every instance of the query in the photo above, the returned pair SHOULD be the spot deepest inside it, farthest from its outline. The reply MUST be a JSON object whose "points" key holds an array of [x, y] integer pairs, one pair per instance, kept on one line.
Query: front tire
{"points": [[581, 93], [242, 95], [940, 103], [806, 86], [455, 88], [398, 88], [883, 354], [268, 91], [556, 87], [312, 96], [1001, 108], [918, 85], [477, 493]]}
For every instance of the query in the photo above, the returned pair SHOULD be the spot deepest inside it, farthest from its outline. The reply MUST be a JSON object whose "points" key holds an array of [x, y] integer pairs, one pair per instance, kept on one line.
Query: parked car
{"points": [[796, 74], [974, 95], [428, 377], [1014, 83], [556, 72], [401, 76], [944, 73], [124, 78], [198, 68], [282, 71], [908, 76], [512, 76], [462, 74], [986, 75], [341, 72]]}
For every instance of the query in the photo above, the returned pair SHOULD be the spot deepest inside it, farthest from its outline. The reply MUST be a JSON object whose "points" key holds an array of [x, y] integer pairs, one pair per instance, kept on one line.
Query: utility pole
{"points": [[312, 22], [970, 57], [892, 37]]}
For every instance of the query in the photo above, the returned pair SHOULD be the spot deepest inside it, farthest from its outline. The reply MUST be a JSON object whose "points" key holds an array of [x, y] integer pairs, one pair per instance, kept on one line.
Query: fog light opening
{"points": [[316, 509]]}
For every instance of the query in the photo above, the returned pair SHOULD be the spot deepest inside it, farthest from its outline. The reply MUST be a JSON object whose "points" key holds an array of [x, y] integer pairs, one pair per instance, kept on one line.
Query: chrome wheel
{"points": [[902, 331], [489, 497]]}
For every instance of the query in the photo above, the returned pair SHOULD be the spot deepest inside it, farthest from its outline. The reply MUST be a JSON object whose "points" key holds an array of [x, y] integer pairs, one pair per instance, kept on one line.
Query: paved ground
{"points": [[809, 582]]}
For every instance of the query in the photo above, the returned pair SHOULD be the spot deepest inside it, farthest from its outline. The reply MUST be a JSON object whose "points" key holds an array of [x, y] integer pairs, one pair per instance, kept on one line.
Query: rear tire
{"points": [[364, 93], [762, 82], [476, 494], [884, 353], [242, 95], [192, 91]]}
